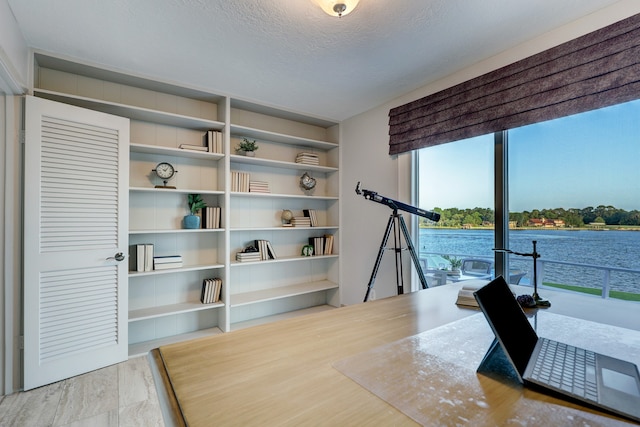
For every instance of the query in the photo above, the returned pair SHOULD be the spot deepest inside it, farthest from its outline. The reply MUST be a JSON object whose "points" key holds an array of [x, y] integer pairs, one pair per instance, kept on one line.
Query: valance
{"points": [[594, 71]]}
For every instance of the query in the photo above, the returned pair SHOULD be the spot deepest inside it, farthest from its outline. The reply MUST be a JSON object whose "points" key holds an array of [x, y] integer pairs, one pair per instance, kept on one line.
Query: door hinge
{"points": [[21, 136], [21, 342]]}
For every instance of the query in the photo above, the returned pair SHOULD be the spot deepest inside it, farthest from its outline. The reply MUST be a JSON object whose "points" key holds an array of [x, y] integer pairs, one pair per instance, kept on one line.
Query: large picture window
{"points": [[573, 188]]}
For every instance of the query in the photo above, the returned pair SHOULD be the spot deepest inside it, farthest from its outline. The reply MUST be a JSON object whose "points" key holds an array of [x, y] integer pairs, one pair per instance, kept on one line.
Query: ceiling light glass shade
{"points": [[337, 7]]}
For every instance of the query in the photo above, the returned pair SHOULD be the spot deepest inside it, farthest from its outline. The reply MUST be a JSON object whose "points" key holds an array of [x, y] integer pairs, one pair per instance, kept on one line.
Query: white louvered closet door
{"points": [[76, 222]]}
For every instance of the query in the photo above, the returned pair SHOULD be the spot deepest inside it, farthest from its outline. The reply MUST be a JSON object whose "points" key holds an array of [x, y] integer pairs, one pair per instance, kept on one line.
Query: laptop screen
{"points": [[508, 321]]}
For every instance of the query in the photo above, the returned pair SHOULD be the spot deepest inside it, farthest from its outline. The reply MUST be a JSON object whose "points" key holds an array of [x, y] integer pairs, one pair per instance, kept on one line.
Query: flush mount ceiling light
{"points": [[336, 7]]}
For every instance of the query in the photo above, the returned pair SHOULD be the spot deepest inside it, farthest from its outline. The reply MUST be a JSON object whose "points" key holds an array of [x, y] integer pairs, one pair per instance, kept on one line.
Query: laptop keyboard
{"points": [[567, 368]]}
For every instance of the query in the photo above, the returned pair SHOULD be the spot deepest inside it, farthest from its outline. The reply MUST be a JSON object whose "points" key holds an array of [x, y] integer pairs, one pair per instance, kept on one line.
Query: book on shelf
{"points": [[194, 147], [211, 290], [322, 245], [259, 187], [328, 244], [160, 261], [248, 256], [168, 265], [301, 221], [210, 217], [318, 245], [240, 181], [143, 254], [311, 214], [266, 250], [307, 158], [148, 257], [213, 141]]}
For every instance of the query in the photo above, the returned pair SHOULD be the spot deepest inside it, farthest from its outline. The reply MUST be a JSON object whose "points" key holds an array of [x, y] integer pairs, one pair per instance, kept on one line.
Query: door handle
{"points": [[117, 257]]}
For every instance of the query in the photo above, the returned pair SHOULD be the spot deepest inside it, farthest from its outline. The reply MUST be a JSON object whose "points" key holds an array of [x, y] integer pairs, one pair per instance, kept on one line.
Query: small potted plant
{"points": [[195, 203], [456, 264], [247, 146]]}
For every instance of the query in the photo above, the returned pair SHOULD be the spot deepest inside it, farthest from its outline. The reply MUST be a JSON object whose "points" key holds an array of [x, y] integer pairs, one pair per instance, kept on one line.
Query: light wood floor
{"points": [[118, 395]]}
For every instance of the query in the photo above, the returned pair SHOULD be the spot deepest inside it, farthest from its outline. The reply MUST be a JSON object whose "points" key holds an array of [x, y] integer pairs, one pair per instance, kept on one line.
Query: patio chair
{"points": [[476, 267]]}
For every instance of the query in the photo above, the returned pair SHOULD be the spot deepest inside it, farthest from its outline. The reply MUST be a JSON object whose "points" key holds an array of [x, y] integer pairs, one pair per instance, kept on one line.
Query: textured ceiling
{"points": [[289, 53]]}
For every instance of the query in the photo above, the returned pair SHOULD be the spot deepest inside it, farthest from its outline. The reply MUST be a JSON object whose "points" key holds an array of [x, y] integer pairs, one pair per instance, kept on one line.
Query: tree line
{"points": [[572, 218]]}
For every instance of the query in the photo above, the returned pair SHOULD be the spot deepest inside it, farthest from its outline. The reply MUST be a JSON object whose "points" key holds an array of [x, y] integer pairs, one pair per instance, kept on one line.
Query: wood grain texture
{"points": [[282, 373]]}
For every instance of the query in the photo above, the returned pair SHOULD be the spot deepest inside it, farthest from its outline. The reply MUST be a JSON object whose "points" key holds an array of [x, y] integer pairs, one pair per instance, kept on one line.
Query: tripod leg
{"points": [[414, 255], [383, 245], [398, 250]]}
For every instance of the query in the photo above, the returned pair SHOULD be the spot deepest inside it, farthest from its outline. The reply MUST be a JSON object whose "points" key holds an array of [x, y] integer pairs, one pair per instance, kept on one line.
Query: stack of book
{"points": [[301, 221], [210, 217], [259, 187], [266, 250], [213, 141], [211, 289], [194, 147], [166, 262], [240, 181], [248, 256], [307, 158], [311, 214], [144, 257]]}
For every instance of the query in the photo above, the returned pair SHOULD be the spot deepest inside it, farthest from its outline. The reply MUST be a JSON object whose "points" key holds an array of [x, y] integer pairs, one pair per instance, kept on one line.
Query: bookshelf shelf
{"points": [[280, 292], [168, 310], [264, 135], [283, 259], [133, 112], [174, 191], [163, 116], [133, 274], [280, 164], [178, 152], [281, 196]]}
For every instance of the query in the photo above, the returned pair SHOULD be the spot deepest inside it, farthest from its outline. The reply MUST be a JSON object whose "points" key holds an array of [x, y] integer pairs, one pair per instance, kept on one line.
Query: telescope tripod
{"points": [[396, 222]]}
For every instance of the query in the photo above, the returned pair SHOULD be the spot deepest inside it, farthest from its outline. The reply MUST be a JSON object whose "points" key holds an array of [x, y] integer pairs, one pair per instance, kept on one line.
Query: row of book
{"points": [[211, 290], [264, 251], [210, 217], [307, 158], [322, 245], [212, 143], [143, 257], [311, 214], [240, 181]]}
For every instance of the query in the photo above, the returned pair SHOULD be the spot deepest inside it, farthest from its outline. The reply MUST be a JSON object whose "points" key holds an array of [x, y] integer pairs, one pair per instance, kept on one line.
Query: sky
{"points": [[589, 159]]}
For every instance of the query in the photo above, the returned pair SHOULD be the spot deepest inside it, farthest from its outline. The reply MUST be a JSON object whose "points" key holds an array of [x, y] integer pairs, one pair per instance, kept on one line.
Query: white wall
{"points": [[365, 158], [14, 74], [14, 54]]}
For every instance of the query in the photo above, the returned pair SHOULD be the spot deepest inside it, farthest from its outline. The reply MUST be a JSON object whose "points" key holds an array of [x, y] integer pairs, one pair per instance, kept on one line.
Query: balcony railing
{"points": [[604, 281]]}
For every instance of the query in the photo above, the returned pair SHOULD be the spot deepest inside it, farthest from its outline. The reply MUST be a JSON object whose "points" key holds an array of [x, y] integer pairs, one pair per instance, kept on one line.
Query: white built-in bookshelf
{"points": [[164, 305]]}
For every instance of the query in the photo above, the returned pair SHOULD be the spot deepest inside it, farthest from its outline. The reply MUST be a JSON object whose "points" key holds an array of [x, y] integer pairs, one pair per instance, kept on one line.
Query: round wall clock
{"points": [[165, 171]]}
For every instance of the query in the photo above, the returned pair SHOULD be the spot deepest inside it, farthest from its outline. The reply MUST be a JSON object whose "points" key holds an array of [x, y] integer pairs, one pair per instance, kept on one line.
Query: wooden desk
{"points": [[282, 373]]}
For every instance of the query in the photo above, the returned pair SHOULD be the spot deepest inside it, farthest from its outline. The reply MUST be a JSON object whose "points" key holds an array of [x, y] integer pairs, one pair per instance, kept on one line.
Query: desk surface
{"points": [[283, 373]]}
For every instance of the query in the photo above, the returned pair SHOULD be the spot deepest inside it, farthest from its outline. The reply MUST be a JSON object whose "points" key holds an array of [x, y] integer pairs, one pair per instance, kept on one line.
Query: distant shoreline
{"points": [[604, 228]]}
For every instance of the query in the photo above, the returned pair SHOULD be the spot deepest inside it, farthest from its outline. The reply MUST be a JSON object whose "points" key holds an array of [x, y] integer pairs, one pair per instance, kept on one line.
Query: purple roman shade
{"points": [[597, 70]]}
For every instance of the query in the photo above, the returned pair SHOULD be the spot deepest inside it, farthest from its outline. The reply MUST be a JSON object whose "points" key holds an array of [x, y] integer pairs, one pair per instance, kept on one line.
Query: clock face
{"points": [[164, 170]]}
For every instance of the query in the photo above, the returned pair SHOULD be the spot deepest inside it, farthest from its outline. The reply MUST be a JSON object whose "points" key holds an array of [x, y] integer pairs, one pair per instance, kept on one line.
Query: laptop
{"points": [[598, 380]]}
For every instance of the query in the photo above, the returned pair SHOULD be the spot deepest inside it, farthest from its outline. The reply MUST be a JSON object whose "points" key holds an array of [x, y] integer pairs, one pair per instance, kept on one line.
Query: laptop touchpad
{"points": [[619, 381]]}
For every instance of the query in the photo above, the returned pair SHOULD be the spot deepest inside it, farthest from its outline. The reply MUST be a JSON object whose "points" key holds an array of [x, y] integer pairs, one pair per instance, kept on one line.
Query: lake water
{"points": [[602, 248]]}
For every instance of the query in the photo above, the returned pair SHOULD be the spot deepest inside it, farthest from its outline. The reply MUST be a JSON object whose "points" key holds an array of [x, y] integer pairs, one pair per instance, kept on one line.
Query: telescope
{"points": [[395, 205], [396, 222]]}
